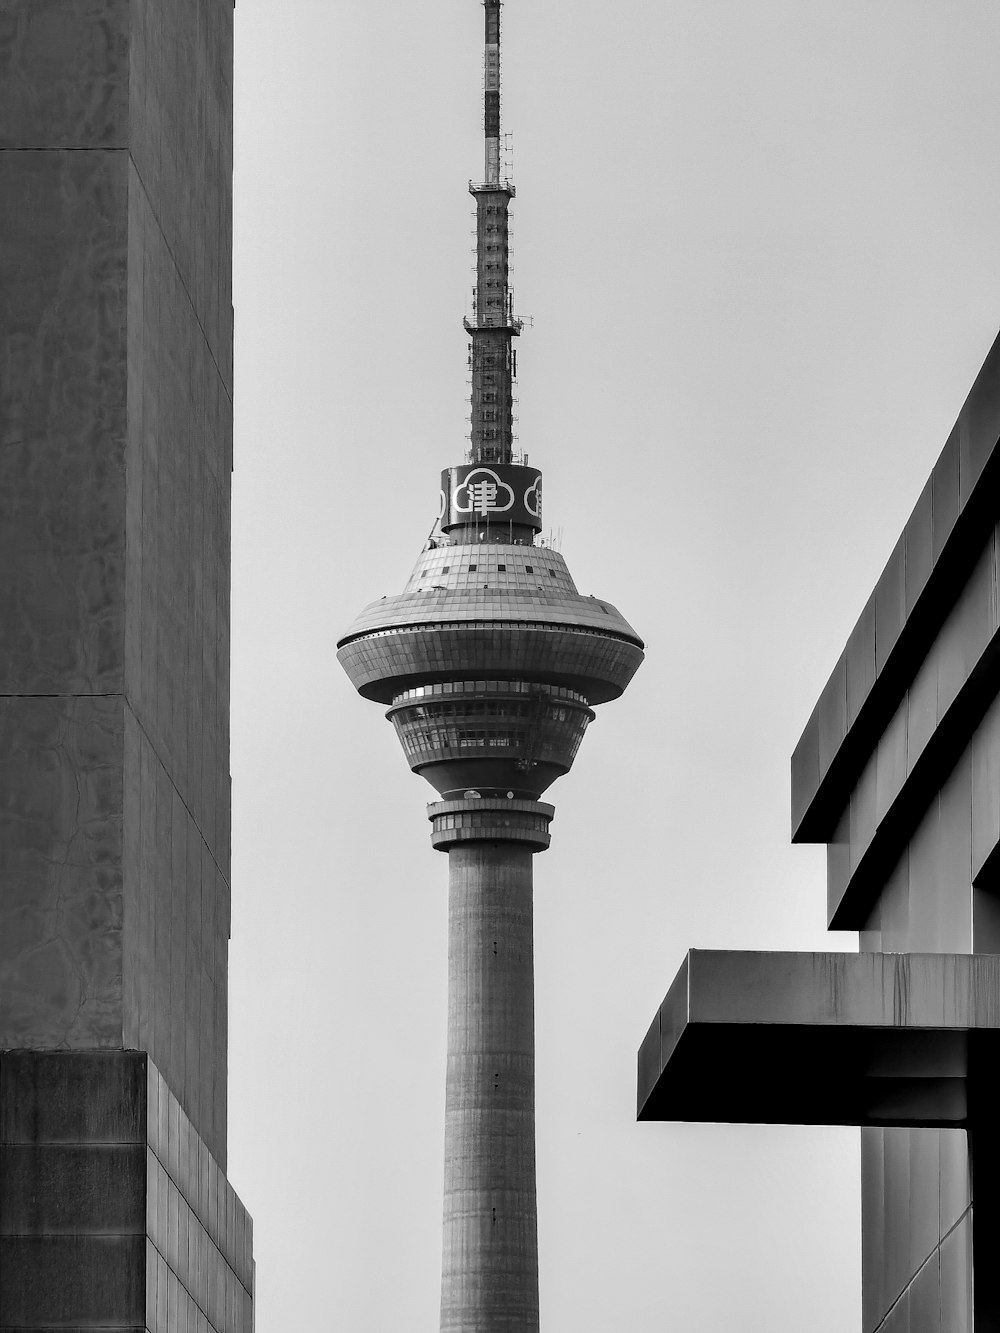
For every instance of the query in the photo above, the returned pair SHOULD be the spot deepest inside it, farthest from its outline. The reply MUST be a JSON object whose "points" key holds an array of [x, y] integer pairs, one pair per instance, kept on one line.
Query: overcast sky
{"points": [[760, 245]]}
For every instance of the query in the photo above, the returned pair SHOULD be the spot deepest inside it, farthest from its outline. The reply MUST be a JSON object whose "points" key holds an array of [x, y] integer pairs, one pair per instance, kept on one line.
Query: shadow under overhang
{"points": [[822, 1039]]}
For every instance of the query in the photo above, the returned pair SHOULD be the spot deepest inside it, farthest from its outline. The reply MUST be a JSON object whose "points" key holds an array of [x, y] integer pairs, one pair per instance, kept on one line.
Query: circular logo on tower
{"points": [[483, 493]]}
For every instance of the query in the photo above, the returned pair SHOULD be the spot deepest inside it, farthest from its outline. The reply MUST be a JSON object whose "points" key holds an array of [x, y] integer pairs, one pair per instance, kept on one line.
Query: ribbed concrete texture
{"points": [[490, 1260]]}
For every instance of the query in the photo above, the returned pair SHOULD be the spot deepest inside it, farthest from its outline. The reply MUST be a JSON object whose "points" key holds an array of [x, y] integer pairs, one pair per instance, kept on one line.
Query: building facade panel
{"points": [[62, 421], [956, 1277], [921, 737], [945, 493], [49, 1280], [178, 523], [61, 902], [64, 74], [177, 937], [180, 138], [907, 866], [177, 519], [919, 540], [986, 789], [925, 1178], [960, 487], [69, 1189], [113, 1212]]}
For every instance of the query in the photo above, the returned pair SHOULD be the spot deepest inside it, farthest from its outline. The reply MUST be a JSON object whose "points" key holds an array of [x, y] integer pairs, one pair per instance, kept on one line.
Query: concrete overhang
{"points": [[822, 1039], [920, 584]]}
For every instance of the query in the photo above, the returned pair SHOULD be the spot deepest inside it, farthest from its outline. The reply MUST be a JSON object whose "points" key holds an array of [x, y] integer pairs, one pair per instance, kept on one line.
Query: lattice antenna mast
{"points": [[494, 325], [491, 91]]}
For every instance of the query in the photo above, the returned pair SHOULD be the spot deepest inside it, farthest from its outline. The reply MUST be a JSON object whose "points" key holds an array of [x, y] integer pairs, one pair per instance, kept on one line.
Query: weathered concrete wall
{"points": [[178, 467], [115, 460], [113, 1213], [917, 1202], [179, 459], [61, 782], [63, 220], [898, 770], [917, 1184]]}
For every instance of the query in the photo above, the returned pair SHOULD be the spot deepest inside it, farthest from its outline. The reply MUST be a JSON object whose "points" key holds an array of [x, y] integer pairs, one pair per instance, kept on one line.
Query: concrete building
{"points": [[898, 772], [115, 461], [490, 661]]}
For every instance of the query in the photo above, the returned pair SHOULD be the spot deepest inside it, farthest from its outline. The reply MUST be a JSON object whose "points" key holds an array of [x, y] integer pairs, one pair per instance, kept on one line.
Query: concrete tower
{"points": [[115, 461], [490, 661]]}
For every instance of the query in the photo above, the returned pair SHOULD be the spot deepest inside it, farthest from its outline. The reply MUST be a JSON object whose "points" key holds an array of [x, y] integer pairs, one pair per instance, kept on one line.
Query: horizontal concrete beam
{"points": [[822, 1039], [918, 587]]}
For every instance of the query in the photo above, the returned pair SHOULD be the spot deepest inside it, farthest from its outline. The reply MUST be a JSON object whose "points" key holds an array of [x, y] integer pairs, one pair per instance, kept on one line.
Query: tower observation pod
{"points": [[491, 664]]}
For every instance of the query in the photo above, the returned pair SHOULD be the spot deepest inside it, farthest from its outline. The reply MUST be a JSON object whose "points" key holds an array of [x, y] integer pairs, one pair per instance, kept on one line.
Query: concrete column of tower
{"points": [[489, 1270], [489, 1277]]}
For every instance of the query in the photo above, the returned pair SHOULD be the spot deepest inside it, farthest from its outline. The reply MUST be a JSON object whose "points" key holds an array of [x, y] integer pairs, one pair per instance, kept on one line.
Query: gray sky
{"points": [[759, 242]]}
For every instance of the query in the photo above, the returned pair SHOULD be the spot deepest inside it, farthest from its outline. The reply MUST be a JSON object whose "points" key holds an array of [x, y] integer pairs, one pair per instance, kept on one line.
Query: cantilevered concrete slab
{"points": [[822, 1039]]}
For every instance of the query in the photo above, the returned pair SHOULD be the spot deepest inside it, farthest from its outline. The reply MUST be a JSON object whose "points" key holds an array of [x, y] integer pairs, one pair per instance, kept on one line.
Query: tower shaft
{"points": [[490, 1253]]}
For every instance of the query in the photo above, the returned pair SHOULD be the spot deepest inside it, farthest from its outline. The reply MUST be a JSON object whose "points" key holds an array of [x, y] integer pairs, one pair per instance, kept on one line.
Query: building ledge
{"points": [[822, 1039], [916, 590]]}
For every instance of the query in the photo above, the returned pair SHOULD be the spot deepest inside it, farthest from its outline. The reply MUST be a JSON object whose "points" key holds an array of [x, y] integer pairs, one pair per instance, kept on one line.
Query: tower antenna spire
{"points": [[491, 91], [494, 325]]}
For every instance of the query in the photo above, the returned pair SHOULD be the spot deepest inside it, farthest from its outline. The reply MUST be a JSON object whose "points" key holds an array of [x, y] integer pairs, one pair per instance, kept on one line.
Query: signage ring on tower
{"points": [[503, 493]]}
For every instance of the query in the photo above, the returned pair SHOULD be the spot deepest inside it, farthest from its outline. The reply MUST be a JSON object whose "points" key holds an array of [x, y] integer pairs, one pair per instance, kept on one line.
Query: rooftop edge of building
{"points": [[932, 557]]}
